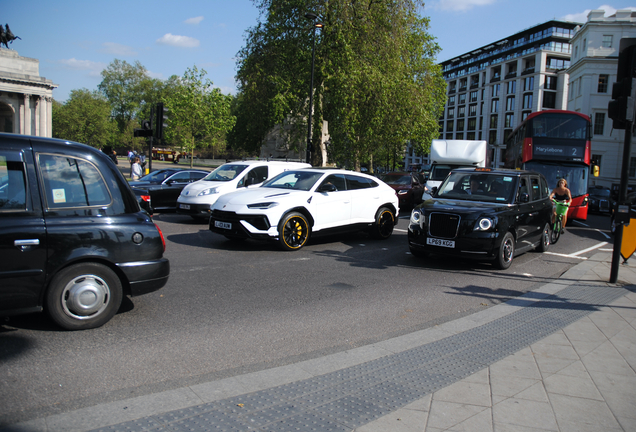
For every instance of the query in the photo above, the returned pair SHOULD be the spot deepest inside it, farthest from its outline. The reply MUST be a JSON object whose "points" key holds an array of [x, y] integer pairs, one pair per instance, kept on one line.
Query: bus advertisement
{"points": [[557, 144]]}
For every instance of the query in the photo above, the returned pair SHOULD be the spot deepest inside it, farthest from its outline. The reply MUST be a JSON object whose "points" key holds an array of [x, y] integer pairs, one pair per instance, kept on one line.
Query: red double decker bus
{"points": [[557, 144]]}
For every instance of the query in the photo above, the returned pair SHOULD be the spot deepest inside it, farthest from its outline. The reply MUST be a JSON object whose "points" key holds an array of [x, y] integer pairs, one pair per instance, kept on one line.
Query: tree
{"points": [[128, 87], [376, 81], [85, 118], [199, 114]]}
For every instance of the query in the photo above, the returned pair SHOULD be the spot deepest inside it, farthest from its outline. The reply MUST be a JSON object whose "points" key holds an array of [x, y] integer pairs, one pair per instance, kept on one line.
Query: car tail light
{"points": [[146, 198], [163, 241]]}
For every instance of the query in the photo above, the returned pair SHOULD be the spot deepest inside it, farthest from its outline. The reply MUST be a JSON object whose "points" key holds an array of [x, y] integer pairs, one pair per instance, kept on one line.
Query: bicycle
{"points": [[557, 227]]}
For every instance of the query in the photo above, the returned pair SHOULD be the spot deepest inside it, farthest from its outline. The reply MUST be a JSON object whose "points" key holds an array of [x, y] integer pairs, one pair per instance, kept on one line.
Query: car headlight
{"points": [[416, 217], [262, 206], [214, 190], [484, 224]]}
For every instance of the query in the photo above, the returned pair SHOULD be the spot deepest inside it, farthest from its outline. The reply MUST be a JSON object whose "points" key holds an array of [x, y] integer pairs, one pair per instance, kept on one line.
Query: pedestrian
{"points": [[135, 169]]}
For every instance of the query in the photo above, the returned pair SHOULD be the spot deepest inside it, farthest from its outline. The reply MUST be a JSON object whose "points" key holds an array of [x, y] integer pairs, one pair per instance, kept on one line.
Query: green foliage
{"points": [[376, 81], [85, 118], [199, 115]]}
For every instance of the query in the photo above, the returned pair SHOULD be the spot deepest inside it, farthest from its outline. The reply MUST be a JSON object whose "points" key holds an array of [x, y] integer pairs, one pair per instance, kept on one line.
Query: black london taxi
{"points": [[484, 214], [73, 239]]}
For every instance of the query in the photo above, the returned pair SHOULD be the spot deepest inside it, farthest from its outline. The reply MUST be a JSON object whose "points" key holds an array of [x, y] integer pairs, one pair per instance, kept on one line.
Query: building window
{"points": [[461, 111], [470, 136], [472, 124], [451, 100], [449, 136], [473, 96], [451, 86], [527, 101], [551, 83], [449, 126], [451, 113], [607, 41], [599, 123], [472, 110], [511, 87], [557, 63], [460, 125], [509, 120], [459, 136], [492, 137], [528, 84], [524, 115], [549, 100], [494, 105], [602, 83], [493, 121], [510, 103], [495, 90], [462, 99]]}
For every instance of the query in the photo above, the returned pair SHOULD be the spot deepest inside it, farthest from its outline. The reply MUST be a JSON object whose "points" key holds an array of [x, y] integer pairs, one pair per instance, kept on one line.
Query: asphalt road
{"points": [[235, 307]]}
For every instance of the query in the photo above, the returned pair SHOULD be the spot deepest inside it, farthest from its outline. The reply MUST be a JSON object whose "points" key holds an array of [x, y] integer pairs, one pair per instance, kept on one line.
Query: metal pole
{"points": [[311, 97], [622, 196]]}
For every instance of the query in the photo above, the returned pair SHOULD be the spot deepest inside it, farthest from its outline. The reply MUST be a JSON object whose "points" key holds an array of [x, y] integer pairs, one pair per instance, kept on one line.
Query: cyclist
{"points": [[563, 194]]}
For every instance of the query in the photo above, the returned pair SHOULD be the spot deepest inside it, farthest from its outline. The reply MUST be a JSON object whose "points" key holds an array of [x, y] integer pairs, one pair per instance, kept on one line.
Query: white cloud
{"points": [[178, 41], [94, 68], [460, 5], [194, 21], [582, 16], [118, 50]]}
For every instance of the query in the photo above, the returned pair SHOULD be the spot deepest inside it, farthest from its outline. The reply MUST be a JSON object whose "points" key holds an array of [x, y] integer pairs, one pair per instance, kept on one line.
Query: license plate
{"points": [[224, 225], [184, 206], [440, 242]]}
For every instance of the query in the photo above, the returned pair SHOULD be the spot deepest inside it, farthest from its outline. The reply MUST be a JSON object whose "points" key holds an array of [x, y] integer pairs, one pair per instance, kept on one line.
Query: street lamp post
{"points": [[316, 24]]}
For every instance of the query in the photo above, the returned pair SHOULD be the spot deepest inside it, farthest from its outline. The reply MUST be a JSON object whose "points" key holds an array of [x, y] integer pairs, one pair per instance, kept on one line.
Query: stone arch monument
{"points": [[26, 98]]}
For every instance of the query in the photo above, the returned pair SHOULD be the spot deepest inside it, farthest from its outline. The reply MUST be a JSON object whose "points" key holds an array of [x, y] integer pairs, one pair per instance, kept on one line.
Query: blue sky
{"points": [[74, 40]]}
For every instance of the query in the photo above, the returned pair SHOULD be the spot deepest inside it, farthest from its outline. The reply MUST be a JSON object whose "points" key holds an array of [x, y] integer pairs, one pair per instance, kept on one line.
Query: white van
{"points": [[197, 198]]}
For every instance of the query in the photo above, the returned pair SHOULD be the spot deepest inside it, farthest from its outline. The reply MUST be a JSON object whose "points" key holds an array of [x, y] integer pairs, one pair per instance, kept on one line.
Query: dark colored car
{"points": [[160, 189], [484, 214], [407, 185], [73, 239], [600, 200]]}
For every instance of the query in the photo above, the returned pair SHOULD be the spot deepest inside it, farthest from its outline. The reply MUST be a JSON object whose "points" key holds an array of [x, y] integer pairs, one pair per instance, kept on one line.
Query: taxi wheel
{"points": [[506, 252], [293, 231], [83, 296], [545, 239], [383, 225]]}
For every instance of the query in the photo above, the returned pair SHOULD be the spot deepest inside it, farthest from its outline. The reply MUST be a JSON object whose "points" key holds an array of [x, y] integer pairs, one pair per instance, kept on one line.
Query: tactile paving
{"points": [[351, 397]]}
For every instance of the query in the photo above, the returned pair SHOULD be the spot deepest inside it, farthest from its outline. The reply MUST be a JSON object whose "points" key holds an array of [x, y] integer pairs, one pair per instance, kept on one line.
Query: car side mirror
{"points": [[327, 187], [524, 198], [434, 191]]}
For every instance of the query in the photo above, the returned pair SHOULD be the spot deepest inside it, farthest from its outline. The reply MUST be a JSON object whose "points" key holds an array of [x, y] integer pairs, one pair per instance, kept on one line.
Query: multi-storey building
{"points": [[491, 89], [591, 75]]}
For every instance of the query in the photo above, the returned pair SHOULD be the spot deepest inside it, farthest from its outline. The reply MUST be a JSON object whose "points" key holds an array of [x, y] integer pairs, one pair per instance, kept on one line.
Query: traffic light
{"points": [[160, 122], [621, 107]]}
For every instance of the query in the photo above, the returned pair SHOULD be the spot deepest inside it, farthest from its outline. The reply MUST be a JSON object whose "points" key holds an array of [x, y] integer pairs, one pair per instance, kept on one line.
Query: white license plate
{"points": [[440, 242], [224, 225], [184, 206]]}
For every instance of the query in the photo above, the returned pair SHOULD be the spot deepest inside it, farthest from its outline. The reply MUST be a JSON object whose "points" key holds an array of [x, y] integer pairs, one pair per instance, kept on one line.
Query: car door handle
{"points": [[31, 242]]}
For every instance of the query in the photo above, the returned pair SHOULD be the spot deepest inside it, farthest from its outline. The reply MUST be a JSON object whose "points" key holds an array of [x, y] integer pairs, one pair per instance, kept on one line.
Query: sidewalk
{"points": [[560, 358]]}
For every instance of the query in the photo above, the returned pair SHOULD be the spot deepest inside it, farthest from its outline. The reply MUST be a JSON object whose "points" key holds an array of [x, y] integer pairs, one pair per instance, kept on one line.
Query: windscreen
{"points": [[225, 173], [471, 186], [297, 180], [396, 179], [575, 175]]}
